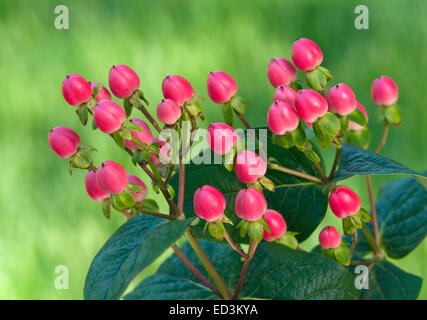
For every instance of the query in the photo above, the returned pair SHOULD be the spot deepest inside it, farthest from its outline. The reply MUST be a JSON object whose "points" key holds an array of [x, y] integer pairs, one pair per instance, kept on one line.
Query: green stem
{"points": [[207, 264], [334, 166], [294, 173], [372, 243], [251, 252]]}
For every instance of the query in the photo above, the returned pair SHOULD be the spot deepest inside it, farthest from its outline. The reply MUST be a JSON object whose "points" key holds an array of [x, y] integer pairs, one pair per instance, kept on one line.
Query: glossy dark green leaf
{"points": [[402, 214], [357, 161], [388, 282], [276, 272], [134, 246]]}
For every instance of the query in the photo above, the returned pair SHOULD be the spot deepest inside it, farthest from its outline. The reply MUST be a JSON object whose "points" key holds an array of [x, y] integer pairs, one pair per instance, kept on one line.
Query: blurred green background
{"points": [[46, 217]]}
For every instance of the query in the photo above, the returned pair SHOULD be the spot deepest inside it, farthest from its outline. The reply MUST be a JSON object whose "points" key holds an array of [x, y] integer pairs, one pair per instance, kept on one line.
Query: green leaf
{"points": [[388, 282], [357, 161], [276, 272], [228, 114], [402, 214], [301, 202], [134, 246], [392, 115], [358, 117], [150, 204]]}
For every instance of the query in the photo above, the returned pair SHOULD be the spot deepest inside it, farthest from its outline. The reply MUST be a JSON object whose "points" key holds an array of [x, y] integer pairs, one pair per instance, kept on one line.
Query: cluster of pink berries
{"points": [[250, 205]]}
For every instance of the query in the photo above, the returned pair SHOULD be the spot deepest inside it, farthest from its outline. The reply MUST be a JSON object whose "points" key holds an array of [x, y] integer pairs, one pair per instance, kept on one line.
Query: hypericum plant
{"points": [[244, 208]]}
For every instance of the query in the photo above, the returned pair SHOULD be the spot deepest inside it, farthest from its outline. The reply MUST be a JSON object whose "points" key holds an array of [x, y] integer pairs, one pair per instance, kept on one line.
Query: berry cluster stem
{"points": [[251, 252], [233, 245], [294, 172]]}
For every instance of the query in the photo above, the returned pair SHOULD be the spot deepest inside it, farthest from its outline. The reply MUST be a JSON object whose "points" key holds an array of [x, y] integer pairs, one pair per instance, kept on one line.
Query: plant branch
{"points": [[252, 247], [154, 213], [181, 183], [294, 173], [233, 245], [354, 242], [243, 120], [384, 137], [141, 108], [374, 217], [195, 271], [207, 264], [372, 243], [321, 172], [335, 164]]}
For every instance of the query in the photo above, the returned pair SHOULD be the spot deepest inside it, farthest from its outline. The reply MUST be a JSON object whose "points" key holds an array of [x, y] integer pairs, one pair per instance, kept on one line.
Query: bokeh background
{"points": [[46, 217]]}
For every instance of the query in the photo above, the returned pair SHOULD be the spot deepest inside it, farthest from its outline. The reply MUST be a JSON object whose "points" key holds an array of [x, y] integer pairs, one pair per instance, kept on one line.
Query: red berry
{"points": [[329, 238], [310, 105], [221, 137], [75, 89], [384, 91], [209, 203], [111, 177], [281, 72], [249, 166], [177, 88], [344, 202], [250, 204], [63, 141], [341, 99], [103, 93], [282, 118], [144, 135], [306, 55], [276, 223], [93, 189], [353, 126], [139, 196], [221, 87], [123, 81], [285, 94], [108, 116], [168, 112]]}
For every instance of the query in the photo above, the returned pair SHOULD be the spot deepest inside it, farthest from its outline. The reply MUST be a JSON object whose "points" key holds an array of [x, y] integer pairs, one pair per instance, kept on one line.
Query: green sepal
{"points": [[239, 104], [140, 95], [326, 72], [127, 104], [243, 227], [289, 240], [364, 215], [81, 160], [133, 188], [150, 204], [329, 253], [264, 224], [118, 139], [171, 191], [324, 140], [128, 124], [255, 230], [96, 90], [358, 117], [299, 137], [348, 226], [94, 126], [106, 208], [285, 141], [344, 123], [82, 113], [343, 254], [228, 114], [312, 156], [137, 157], [194, 109], [361, 138], [122, 201], [228, 159], [329, 124], [216, 229], [267, 183], [392, 115], [296, 85], [225, 219], [316, 79]]}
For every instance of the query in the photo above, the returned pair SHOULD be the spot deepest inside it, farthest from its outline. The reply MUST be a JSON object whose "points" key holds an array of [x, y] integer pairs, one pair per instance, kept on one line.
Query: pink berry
{"points": [[384, 91], [310, 105], [341, 99], [353, 126], [103, 93], [144, 135], [329, 238], [108, 116], [93, 189], [344, 202], [276, 223], [111, 177], [177, 89], [306, 55], [63, 141], [221, 87], [163, 152], [168, 112], [250, 204], [282, 118], [221, 137], [123, 81], [209, 203], [285, 94], [139, 196], [281, 72], [249, 166], [75, 89]]}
